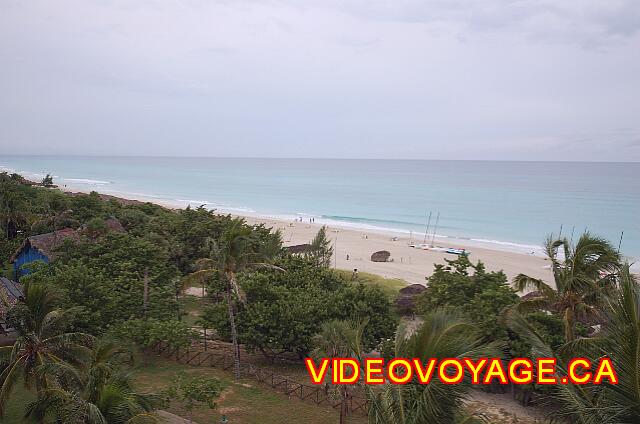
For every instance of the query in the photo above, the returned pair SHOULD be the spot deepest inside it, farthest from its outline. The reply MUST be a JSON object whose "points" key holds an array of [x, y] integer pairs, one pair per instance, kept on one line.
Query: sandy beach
{"points": [[407, 263]]}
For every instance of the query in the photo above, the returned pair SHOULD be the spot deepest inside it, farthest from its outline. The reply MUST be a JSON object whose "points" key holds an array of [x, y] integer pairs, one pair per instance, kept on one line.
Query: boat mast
{"points": [[572, 230], [435, 228], [427, 230], [620, 243]]}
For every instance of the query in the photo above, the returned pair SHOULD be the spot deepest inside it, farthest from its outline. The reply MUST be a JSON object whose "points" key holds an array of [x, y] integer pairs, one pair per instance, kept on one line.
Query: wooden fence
{"points": [[315, 394]]}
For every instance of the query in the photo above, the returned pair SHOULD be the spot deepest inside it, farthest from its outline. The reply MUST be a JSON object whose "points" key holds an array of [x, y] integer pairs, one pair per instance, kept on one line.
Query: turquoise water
{"points": [[507, 204]]}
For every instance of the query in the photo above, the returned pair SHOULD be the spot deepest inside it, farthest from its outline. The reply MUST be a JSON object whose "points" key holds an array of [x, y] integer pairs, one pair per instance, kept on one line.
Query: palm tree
{"points": [[104, 395], [335, 341], [321, 250], [619, 340], [581, 276], [237, 250], [41, 339], [443, 334]]}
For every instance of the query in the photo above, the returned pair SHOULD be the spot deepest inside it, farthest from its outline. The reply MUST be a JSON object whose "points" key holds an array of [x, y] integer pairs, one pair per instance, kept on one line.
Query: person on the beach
{"points": [[354, 276], [347, 256]]}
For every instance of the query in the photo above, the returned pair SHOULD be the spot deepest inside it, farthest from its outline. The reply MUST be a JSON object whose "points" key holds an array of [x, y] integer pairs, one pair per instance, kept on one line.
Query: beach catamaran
{"points": [[430, 246]]}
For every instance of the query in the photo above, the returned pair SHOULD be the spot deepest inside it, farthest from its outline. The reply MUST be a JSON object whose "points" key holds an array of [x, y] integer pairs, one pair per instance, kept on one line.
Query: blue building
{"points": [[41, 247]]}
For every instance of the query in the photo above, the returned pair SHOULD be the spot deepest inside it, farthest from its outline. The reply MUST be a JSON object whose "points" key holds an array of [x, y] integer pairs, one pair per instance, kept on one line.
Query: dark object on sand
{"points": [[381, 256]]}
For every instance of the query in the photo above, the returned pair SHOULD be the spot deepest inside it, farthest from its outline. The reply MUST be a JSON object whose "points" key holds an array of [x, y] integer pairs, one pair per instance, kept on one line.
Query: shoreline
{"points": [[409, 264], [524, 241], [86, 185]]}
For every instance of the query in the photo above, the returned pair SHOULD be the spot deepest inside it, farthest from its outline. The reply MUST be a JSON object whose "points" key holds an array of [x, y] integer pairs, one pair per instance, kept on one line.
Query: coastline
{"points": [[476, 215], [409, 264]]}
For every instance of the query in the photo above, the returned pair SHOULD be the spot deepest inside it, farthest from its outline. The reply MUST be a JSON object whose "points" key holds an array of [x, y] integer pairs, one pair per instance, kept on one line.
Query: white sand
{"points": [[409, 264]]}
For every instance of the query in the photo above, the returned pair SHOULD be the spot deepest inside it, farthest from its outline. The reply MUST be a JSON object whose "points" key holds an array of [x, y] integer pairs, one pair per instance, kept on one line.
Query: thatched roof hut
{"points": [[412, 290], [380, 256], [406, 300], [405, 305], [46, 244], [114, 225], [10, 292], [531, 295], [298, 248]]}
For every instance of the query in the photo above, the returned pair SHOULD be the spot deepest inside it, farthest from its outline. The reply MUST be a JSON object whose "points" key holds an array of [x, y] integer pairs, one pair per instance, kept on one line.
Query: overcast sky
{"points": [[441, 79]]}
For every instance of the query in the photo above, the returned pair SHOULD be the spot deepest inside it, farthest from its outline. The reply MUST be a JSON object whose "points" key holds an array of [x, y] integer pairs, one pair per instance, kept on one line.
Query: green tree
{"points": [[321, 250], [42, 340], [13, 207], [114, 278], [481, 295], [239, 248], [47, 181], [582, 275], [101, 394], [619, 340], [96, 227], [148, 332], [443, 334], [284, 310], [193, 391], [335, 340]]}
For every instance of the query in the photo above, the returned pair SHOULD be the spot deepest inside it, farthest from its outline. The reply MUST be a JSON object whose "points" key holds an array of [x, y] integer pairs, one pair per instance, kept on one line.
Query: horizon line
{"points": [[316, 158]]}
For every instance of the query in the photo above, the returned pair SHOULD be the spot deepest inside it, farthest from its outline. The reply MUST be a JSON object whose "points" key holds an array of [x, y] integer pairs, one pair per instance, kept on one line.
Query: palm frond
{"points": [[523, 282], [533, 304], [197, 278], [8, 379]]}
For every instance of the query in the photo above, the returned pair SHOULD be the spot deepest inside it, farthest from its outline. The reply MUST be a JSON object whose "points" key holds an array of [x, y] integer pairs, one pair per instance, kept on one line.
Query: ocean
{"points": [[506, 205]]}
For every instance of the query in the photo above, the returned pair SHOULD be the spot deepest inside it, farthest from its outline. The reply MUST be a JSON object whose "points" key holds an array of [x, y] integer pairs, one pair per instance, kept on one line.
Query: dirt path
{"points": [[169, 418], [501, 408]]}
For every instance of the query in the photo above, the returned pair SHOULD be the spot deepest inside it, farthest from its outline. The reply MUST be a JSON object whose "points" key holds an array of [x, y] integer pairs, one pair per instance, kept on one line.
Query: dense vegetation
{"points": [[125, 287], [284, 310], [106, 291]]}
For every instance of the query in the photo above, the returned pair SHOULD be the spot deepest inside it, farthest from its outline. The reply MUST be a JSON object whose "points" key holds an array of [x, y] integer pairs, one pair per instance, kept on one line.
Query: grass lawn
{"points": [[192, 306], [242, 402], [16, 404], [391, 286]]}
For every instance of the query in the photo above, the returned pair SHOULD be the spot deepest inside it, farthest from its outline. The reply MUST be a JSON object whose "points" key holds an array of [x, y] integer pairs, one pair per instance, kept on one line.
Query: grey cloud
{"points": [[421, 79], [588, 23]]}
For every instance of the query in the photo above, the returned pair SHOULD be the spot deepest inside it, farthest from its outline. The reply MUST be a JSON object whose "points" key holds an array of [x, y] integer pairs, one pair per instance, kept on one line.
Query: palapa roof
{"points": [[380, 256], [406, 300], [48, 243], [114, 225], [406, 304], [412, 289], [12, 289], [531, 295], [298, 248], [12, 292]]}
